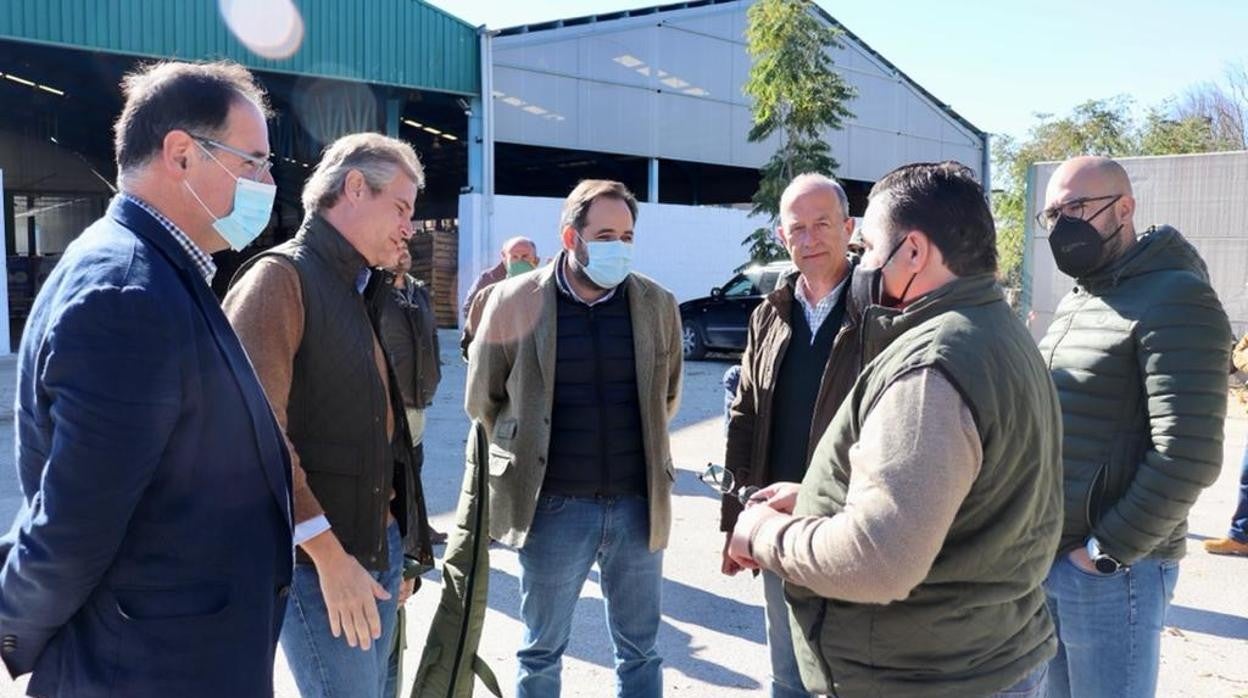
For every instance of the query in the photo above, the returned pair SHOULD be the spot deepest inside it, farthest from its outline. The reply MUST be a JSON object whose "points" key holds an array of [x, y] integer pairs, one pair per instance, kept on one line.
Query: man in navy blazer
{"points": [[152, 552]]}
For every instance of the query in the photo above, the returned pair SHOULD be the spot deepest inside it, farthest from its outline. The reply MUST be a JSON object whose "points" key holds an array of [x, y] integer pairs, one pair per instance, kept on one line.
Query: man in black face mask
{"points": [[1138, 351], [914, 550]]}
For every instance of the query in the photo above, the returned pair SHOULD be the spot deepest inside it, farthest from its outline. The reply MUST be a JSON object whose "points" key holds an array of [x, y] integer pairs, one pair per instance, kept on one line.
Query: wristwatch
{"points": [[1100, 560]]}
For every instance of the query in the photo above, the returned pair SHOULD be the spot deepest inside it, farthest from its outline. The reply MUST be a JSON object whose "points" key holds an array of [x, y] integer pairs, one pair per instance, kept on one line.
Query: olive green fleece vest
{"points": [[978, 623]]}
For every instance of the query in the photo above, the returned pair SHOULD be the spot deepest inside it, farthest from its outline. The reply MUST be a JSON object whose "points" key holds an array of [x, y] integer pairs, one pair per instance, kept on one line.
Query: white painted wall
{"points": [[688, 249], [668, 85], [1200, 195]]}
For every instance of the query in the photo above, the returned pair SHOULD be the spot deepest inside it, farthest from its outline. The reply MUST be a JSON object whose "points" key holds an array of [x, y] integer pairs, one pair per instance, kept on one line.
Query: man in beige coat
{"points": [[575, 374]]}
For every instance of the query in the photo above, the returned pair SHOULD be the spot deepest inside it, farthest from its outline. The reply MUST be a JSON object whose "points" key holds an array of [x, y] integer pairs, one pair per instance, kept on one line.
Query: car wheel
{"points": [[691, 342]]}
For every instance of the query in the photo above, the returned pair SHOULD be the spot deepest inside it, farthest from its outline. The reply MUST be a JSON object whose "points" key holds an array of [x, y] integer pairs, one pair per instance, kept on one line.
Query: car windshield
{"points": [[740, 286]]}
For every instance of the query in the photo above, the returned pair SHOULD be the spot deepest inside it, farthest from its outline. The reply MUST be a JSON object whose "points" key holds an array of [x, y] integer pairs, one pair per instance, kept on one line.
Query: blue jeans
{"points": [[568, 535], [786, 678], [1108, 628], [1239, 522], [1033, 685], [325, 666]]}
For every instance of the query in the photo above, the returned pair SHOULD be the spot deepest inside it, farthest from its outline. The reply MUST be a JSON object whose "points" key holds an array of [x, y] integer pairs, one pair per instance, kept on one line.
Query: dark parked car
{"points": [[718, 322]]}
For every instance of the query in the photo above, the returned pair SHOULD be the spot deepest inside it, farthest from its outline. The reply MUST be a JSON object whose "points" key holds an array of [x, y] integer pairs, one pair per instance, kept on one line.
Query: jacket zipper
{"points": [[1070, 321], [603, 478]]}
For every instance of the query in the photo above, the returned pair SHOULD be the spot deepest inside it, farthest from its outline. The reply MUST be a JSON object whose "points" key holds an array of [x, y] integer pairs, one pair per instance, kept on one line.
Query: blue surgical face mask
{"points": [[253, 202], [609, 261]]}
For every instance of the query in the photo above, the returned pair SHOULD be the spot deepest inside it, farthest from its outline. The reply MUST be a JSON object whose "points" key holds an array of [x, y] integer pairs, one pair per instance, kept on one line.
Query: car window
{"points": [[768, 282], [739, 286]]}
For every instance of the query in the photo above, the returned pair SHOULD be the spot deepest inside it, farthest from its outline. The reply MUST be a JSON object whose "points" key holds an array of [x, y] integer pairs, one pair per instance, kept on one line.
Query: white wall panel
{"points": [[536, 108], [607, 80]]}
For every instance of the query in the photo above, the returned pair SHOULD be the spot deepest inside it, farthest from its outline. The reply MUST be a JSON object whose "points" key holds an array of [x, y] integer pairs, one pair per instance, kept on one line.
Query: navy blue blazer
{"points": [[152, 552]]}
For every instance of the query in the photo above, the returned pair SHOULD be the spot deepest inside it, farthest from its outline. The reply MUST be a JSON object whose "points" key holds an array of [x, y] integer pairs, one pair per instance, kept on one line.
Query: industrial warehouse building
{"points": [[650, 96]]}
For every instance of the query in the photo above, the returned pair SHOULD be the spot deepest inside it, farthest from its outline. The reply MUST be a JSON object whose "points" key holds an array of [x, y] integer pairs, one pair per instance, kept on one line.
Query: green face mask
{"points": [[519, 267]]}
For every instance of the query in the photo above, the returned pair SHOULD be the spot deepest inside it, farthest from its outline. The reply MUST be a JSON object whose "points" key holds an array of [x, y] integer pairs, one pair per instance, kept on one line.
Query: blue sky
{"points": [[999, 63]]}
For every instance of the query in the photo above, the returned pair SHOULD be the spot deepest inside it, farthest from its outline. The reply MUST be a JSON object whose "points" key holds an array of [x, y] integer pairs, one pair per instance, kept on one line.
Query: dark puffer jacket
{"points": [[1138, 352]]}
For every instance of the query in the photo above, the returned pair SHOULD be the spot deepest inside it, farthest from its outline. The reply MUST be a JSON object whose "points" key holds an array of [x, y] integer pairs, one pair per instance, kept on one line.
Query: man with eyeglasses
{"points": [[1138, 351], [152, 552]]}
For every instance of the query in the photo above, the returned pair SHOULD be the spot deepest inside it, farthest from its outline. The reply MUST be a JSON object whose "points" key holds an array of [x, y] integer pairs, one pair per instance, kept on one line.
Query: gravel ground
{"points": [[712, 638]]}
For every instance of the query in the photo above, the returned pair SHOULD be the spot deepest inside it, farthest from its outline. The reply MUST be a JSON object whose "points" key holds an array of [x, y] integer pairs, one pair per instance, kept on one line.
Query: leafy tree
{"points": [[1209, 117], [796, 93], [1222, 106]]}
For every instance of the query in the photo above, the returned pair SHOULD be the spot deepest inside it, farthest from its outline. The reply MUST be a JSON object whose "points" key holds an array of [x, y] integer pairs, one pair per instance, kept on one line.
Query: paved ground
{"points": [[712, 637]]}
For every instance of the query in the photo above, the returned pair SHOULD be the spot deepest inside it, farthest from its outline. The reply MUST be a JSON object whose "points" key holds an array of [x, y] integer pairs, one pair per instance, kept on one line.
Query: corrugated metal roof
{"points": [[676, 7], [407, 43]]}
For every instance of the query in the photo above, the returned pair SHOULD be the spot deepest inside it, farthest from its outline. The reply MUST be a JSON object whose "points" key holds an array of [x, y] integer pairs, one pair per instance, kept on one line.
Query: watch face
{"points": [[1105, 565]]}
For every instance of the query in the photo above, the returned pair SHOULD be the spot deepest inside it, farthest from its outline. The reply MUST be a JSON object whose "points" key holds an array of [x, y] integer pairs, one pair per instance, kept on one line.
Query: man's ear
{"points": [[175, 154], [916, 251], [354, 185], [1126, 209]]}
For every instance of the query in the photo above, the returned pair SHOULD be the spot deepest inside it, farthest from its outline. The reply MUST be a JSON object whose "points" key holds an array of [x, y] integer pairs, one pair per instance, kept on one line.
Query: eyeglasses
{"points": [[259, 166], [1074, 208], [720, 479]]}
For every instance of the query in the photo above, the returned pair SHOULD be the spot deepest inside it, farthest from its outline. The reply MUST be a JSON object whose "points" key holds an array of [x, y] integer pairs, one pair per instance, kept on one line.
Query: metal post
{"points": [[652, 186], [394, 108], [476, 145], [485, 227]]}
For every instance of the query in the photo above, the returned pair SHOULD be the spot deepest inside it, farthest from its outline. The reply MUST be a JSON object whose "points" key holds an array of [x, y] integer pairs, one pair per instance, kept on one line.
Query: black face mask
{"points": [[866, 286], [1078, 247]]}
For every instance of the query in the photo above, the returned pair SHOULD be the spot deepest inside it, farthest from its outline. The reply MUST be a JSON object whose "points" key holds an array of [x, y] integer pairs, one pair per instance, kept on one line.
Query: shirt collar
{"points": [[203, 262], [561, 281], [800, 291]]}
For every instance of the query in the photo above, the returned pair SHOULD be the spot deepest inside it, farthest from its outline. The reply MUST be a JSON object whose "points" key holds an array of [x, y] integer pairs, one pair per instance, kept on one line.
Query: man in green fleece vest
{"points": [[915, 549], [1138, 351]]}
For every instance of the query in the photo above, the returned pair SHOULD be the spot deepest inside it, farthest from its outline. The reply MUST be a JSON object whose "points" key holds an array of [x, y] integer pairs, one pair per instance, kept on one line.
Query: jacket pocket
{"points": [[171, 603], [500, 460]]}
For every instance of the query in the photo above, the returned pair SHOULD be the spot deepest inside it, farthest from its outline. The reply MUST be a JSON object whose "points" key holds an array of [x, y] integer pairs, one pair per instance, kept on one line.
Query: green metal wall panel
{"points": [[406, 43]]}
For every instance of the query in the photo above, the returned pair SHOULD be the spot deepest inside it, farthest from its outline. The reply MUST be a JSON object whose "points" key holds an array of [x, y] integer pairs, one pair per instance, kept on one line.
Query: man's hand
{"points": [[350, 593], [781, 496], [728, 566], [739, 540], [1079, 558], [406, 589]]}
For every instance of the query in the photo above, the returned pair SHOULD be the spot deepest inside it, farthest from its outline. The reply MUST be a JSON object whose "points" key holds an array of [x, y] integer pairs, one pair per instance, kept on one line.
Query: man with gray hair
{"points": [[799, 331], [518, 255], [304, 311]]}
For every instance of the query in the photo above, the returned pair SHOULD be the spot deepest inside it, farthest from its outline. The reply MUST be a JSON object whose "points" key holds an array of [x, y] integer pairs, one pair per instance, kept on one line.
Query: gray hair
{"points": [[518, 240], [379, 158], [811, 181]]}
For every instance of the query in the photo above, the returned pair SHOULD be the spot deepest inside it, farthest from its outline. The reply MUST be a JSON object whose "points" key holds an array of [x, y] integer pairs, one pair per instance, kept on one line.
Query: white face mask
{"points": [[609, 263]]}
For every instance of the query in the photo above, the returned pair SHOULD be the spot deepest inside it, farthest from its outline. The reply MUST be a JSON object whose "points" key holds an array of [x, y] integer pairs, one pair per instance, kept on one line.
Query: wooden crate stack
{"points": [[435, 260]]}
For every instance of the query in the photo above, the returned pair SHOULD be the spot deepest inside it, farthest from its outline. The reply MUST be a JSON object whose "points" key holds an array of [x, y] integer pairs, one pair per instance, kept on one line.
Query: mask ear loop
{"points": [[192, 191], [880, 291]]}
